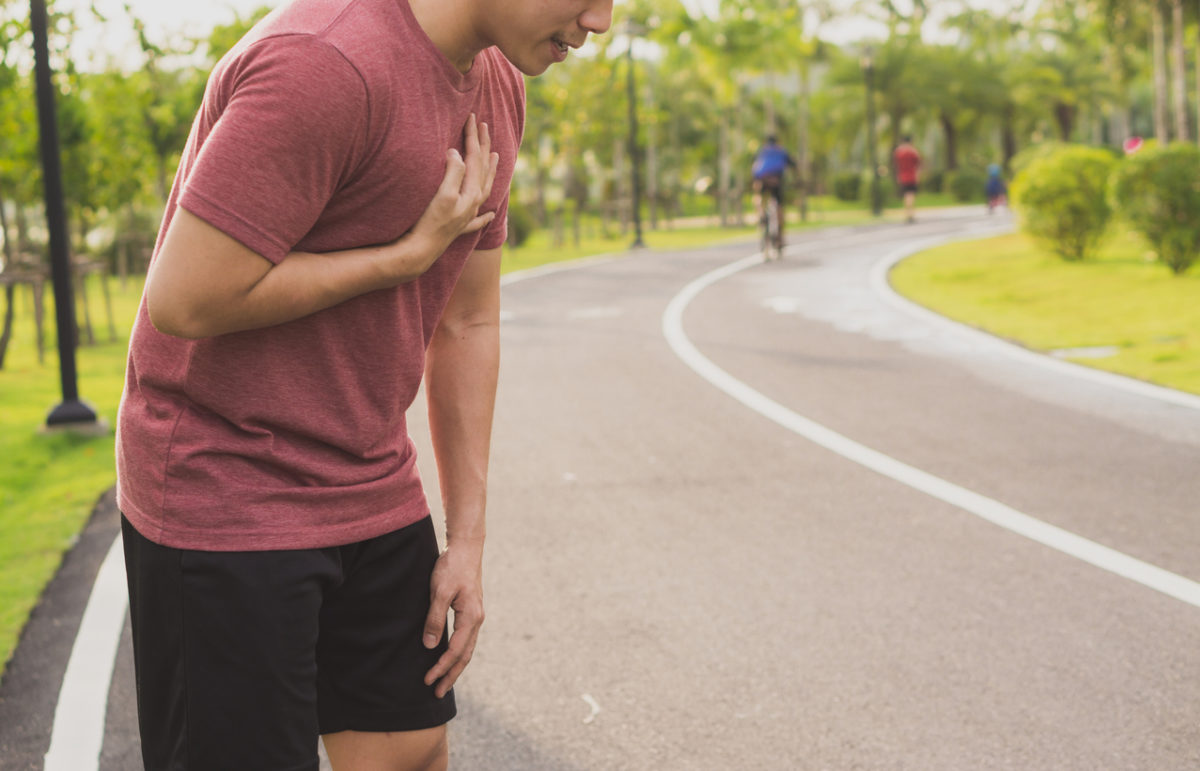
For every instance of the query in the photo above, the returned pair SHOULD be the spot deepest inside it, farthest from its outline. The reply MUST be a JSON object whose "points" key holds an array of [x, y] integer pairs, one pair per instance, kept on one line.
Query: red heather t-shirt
{"points": [[324, 129], [908, 160]]}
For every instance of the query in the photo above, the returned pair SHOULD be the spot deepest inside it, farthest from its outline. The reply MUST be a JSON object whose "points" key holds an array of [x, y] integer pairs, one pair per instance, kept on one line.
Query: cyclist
{"points": [[769, 166]]}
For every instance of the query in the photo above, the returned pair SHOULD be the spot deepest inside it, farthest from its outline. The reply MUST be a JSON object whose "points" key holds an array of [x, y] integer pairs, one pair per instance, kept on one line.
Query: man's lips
{"points": [[564, 44]]}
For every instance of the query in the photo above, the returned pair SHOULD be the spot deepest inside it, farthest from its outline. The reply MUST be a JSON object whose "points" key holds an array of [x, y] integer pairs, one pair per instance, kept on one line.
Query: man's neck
{"points": [[450, 25]]}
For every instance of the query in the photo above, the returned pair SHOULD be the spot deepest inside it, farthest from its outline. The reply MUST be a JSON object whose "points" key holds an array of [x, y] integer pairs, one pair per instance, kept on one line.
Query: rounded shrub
{"points": [[847, 186], [965, 184], [520, 223], [1158, 190], [1021, 160], [1062, 199]]}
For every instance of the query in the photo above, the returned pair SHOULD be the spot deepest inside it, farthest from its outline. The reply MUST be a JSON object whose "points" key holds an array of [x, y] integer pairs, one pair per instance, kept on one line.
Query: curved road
{"points": [[902, 546]]}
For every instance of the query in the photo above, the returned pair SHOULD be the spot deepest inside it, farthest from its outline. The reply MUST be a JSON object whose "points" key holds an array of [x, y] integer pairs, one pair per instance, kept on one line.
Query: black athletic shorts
{"points": [[244, 658], [908, 187]]}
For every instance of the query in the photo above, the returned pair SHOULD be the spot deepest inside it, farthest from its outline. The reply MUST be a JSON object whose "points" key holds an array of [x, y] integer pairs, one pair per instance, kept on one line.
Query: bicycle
{"points": [[772, 235]]}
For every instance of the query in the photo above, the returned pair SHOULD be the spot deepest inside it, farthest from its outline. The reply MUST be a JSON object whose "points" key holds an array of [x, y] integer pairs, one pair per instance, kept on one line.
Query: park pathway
{"points": [[769, 518]]}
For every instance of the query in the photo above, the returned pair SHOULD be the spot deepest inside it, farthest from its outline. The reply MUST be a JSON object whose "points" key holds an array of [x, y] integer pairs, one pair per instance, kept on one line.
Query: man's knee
{"points": [[424, 750]]}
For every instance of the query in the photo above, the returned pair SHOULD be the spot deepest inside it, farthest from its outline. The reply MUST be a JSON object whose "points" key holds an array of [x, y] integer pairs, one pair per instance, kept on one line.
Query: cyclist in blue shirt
{"points": [[769, 166]]}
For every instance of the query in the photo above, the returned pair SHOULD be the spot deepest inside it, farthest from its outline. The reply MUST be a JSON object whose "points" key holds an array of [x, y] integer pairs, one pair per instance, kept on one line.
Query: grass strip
{"points": [[1121, 311]]}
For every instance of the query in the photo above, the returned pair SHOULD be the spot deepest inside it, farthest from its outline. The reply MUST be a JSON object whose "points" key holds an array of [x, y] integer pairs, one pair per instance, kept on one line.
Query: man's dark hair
{"points": [[772, 139], [907, 138]]}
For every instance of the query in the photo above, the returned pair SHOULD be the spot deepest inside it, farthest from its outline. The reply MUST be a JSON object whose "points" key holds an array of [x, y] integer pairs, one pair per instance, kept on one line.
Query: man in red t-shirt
{"points": [[331, 240], [908, 165]]}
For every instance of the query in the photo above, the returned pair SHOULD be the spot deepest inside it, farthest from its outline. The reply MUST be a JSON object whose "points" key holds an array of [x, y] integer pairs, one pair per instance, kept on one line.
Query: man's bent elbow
{"points": [[174, 317]]}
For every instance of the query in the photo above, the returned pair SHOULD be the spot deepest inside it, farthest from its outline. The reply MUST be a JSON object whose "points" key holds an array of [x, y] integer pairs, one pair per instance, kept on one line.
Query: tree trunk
{"points": [[6, 333], [951, 141], [769, 119], [541, 177], [1008, 136], [622, 207], [1179, 59], [802, 161], [652, 172], [163, 191], [723, 170], [22, 223], [1159, 56], [1064, 115], [1198, 83], [9, 289], [737, 189]]}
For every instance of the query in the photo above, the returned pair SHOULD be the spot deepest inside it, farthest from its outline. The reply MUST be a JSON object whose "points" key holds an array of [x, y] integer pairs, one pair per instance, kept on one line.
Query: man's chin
{"points": [[530, 68]]}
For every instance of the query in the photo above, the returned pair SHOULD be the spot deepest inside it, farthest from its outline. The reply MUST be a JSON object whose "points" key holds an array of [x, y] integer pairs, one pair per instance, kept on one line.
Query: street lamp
{"points": [[868, 65], [72, 412], [635, 162]]}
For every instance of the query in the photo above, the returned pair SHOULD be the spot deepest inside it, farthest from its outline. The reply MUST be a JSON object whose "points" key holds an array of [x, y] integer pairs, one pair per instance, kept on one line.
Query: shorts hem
{"points": [[385, 722]]}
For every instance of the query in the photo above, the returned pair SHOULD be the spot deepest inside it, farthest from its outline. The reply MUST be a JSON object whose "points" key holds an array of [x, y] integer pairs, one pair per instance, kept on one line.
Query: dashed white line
{"points": [[993, 511]]}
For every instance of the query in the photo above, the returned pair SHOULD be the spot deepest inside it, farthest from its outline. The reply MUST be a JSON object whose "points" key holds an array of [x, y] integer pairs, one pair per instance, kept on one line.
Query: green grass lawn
{"points": [[50, 483], [1122, 299]]}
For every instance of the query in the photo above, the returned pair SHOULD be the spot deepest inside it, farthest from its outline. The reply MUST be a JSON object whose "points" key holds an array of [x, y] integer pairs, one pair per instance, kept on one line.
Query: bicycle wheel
{"points": [[771, 241]]}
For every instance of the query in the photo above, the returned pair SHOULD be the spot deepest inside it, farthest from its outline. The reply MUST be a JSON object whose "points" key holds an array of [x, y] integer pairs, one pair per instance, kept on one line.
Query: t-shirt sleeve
{"points": [[291, 116], [495, 232]]}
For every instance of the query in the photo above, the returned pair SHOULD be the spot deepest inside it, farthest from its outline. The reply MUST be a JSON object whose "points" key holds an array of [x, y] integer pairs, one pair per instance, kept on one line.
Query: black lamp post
{"points": [[72, 411], [634, 158], [868, 64]]}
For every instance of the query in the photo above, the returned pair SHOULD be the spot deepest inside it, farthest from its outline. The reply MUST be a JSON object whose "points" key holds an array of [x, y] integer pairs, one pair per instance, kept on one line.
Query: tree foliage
{"points": [[990, 83]]}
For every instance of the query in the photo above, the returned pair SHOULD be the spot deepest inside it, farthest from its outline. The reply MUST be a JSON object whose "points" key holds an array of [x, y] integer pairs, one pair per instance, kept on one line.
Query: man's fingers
{"points": [[476, 166], [452, 663], [455, 170], [485, 145], [493, 164], [435, 621], [479, 222]]}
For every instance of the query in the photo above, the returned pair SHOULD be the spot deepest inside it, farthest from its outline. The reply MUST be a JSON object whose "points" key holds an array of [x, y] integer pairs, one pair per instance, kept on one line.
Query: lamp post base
{"points": [[76, 417]]}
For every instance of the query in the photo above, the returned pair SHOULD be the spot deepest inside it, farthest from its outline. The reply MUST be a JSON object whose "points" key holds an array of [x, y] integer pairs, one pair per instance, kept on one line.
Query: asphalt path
{"points": [[779, 521]]}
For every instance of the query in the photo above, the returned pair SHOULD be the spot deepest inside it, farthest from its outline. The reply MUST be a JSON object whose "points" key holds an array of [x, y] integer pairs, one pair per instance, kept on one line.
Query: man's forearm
{"points": [[224, 287], [461, 373]]}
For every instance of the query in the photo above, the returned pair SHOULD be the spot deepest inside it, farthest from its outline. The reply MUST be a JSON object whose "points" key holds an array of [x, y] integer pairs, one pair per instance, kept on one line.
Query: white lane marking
{"points": [[78, 734], [594, 707], [879, 282], [783, 305], [993, 511]]}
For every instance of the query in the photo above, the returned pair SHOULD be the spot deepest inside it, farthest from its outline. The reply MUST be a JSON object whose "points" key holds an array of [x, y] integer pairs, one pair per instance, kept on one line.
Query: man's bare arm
{"points": [[206, 283], [460, 382]]}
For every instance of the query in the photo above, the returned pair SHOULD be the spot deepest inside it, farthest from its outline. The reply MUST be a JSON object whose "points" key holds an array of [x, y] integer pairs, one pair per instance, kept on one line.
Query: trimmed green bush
{"points": [[1021, 160], [1062, 199], [520, 222], [1158, 190], [965, 184], [848, 186]]}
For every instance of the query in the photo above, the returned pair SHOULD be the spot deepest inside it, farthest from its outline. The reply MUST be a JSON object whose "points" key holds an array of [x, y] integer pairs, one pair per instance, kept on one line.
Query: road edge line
{"points": [[77, 738]]}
